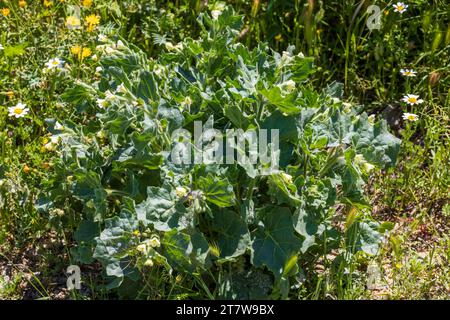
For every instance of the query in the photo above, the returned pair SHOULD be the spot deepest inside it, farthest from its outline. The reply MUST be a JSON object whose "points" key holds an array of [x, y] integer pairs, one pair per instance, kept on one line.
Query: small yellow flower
{"points": [[22, 3], [5, 11], [278, 37], [86, 3], [80, 52], [10, 94], [26, 169], [48, 3], [86, 52], [91, 22], [75, 50], [73, 22]]}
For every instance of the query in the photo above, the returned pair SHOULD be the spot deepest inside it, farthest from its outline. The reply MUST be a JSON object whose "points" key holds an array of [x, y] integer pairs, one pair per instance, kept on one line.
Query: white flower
{"points": [[59, 126], [54, 141], [94, 57], [361, 161], [102, 103], [286, 58], [181, 192], [371, 119], [110, 96], [148, 263], [289, 85], [412, 99], [121, 88], [54, 63], [187, 102], [410, 116], [98, 71], [408, 72], [120, 45], [158, 70], [171, 47], [102, 38], [215, 14], [400, 7], [286, 177], [109, 50], [142, 248], [154, 242], [18, 111], [1, 47]]}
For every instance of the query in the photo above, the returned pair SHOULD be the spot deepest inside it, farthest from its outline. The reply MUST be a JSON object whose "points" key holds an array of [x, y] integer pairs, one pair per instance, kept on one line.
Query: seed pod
{"points": [[426, 21], [255, 8], [447, 36], [436, 41], [434, 78]]}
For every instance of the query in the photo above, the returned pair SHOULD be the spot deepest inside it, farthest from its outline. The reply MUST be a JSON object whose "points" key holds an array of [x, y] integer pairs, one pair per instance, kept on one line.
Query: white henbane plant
{"points": [[125, 189]]}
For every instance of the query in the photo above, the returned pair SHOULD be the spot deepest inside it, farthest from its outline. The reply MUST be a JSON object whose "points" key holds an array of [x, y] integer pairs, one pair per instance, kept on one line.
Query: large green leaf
{"points": [[217, 190], [285, 103], [163, 209], [274, 241], [177, 248], [233, 235]]}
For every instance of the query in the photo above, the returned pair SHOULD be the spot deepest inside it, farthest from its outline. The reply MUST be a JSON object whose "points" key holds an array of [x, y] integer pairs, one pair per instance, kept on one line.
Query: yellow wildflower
{"points": [[92, 21], [22, 3], [75, 50], [86, 3], [48, 3], [10, 94], [80, 52], [85, 53], [26, 169], [5, 11]]}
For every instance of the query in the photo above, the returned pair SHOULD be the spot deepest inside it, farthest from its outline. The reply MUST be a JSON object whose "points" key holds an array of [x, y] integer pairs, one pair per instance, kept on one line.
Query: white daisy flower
{"points": [[18, 111], [410, 116], [412, 99], [408, 72], [400, 7], [54, 63]]}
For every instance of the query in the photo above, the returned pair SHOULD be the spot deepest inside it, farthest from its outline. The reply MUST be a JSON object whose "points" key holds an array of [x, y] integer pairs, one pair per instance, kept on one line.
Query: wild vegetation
{"points": [[94, 95]]}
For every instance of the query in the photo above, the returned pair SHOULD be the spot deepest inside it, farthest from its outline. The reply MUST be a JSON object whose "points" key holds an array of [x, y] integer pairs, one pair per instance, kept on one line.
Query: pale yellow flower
{"points": [[73, 22]]}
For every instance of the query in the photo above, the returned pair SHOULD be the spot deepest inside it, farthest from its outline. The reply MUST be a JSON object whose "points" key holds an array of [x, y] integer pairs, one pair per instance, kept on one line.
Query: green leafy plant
{"points": [[238, 232]]}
